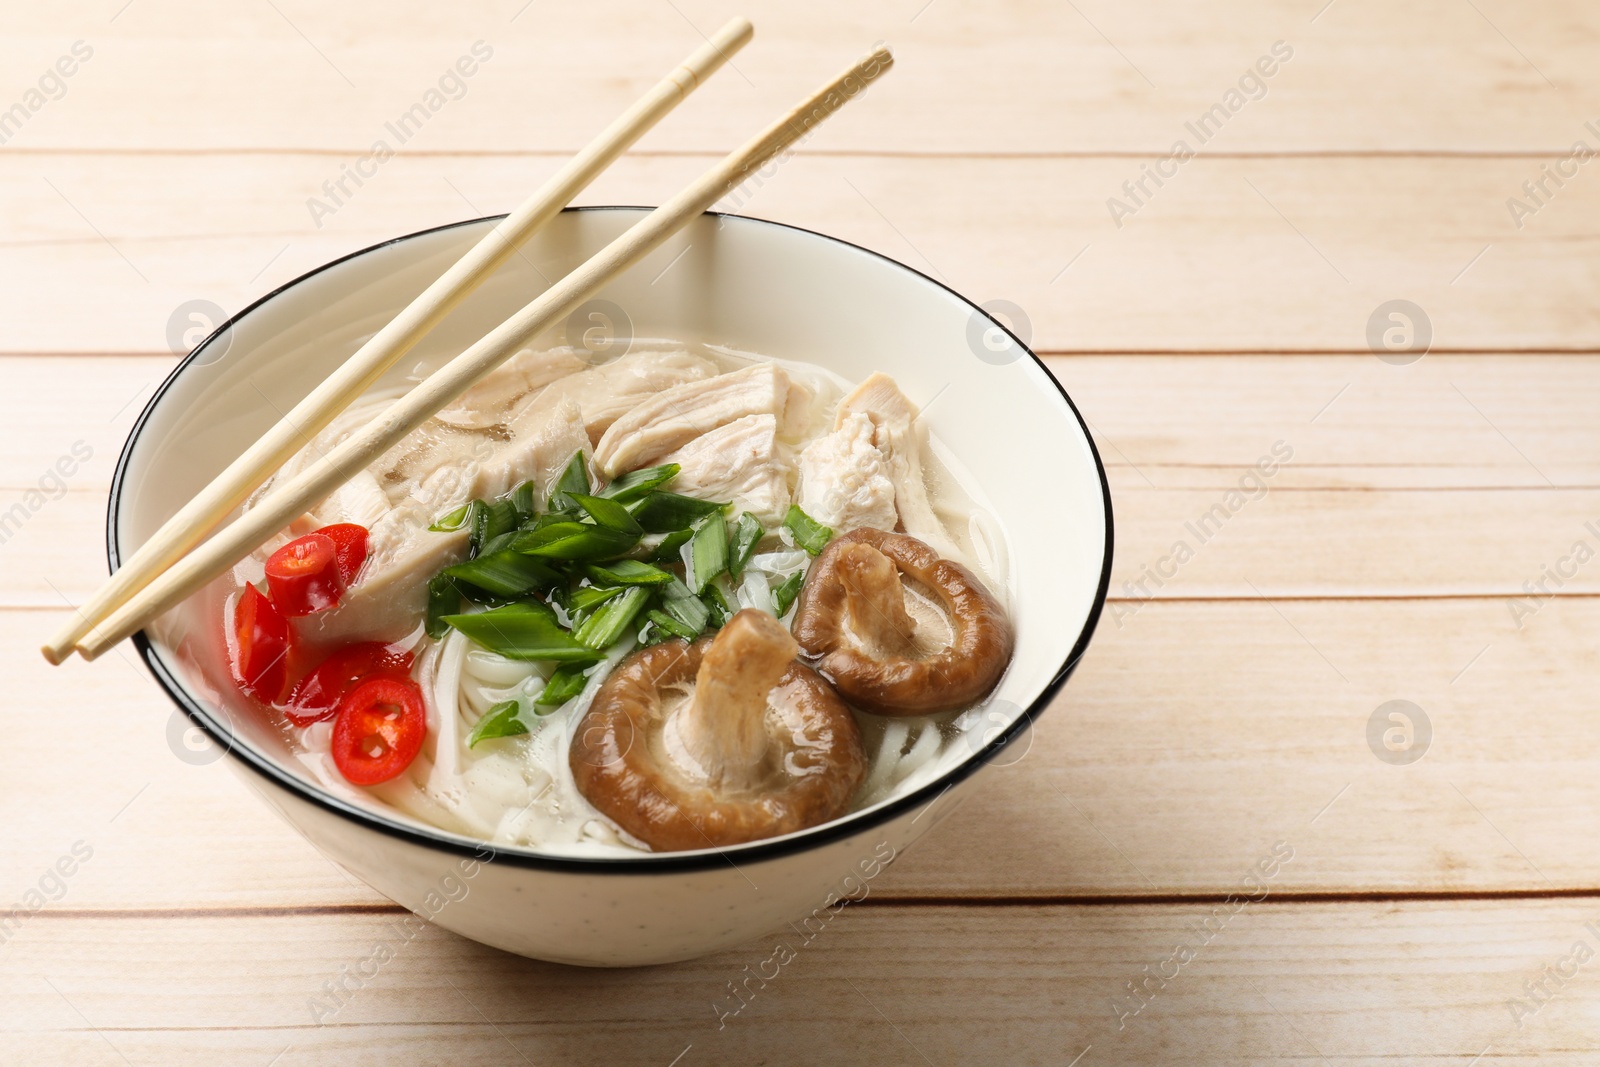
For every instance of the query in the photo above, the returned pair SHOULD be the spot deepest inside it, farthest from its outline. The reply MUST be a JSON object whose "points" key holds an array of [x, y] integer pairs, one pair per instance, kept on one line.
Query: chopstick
{"points": [[293, 498], [356, 375]]}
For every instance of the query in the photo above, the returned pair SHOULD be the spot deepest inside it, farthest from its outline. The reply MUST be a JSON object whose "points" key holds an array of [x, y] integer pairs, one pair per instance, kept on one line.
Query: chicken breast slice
{"points": [[740, 462], [607, 392], [672, 419], [900, 437], [489, 402], [845, 480]]}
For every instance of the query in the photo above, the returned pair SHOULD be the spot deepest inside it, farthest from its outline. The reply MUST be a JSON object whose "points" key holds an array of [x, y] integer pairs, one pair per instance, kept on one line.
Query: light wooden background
{"points": [[1226, 714]]}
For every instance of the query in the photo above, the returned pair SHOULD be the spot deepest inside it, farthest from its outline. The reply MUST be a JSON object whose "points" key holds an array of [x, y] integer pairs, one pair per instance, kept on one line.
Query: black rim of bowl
{"points": [[666, 863]]}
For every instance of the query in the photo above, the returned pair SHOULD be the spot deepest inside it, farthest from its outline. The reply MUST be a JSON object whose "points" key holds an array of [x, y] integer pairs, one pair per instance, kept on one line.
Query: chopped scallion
{"points": [[493, 521], [527, 630], [501, 720], [717, 605], [684, 606], [627, 572], [809, 534], [578, 541], [746, 536], [667, 550], [706, 554], [505, 573], [783, 596], [601, 630], [444, 598], [525, 499], [567, 682], [607, 513], [663, 512], [574, 479], [451, 521], [635, 484], [671, 625]]}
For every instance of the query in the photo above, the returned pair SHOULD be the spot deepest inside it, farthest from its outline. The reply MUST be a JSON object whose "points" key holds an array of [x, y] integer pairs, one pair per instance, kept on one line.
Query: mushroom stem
{"points": [[877, 601], [723, 727]]}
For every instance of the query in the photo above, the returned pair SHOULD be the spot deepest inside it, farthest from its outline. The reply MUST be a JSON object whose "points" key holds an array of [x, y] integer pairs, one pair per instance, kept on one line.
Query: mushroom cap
{"points": [[889, 681], [622, 761]]}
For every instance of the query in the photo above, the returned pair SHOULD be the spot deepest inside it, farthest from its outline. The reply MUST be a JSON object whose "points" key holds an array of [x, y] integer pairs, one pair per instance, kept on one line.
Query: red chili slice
{"points": [[260, 649], [316, 696], [350, 545], [303, 576], [379, 731]]}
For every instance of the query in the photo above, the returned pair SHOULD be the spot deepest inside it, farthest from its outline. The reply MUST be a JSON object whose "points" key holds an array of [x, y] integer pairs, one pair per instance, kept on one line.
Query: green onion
{"points": [[525, 499], [550, 518], [603, 628], [809, 534], [575, 541], [567, 682], [590, 597], [502, 720], [783, 596], [451, 521], [635, 484], [684, 606], [527, 630], [745, 538], [627, 572], [717, 605], [444, 598], [662, 512], [493, 521], [667, 550], [607, 513], [706, 555], [505, 573], [574, 479], [672, 626]]}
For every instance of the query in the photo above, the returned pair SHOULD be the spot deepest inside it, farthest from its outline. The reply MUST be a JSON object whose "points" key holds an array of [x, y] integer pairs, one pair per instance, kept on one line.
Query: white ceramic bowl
{"points": [[748, 284]]}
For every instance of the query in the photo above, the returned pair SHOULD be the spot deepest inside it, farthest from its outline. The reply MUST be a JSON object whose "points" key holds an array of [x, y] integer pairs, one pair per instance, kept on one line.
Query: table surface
{"points": [[1430, 538]]}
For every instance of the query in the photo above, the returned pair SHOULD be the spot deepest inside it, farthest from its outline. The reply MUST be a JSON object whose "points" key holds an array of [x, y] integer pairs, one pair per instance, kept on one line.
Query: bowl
{"points": [[745, 283]]}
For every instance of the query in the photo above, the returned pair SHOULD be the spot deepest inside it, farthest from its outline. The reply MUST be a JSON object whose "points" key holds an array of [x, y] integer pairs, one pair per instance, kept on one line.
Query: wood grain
{"points": [[1100, 78], [1361, 984], [1271, 254]]}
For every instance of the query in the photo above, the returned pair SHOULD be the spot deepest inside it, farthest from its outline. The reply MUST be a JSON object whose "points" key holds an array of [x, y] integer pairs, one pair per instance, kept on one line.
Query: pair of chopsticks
{"points": [[169, 567]]}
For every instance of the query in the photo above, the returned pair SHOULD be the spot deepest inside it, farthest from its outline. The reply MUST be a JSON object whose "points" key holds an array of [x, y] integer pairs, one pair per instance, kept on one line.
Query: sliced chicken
{"points": [[605, 393], [739, 462], [487, 403], [548, 443], [677, 416], [900, 437], [845, 480]]}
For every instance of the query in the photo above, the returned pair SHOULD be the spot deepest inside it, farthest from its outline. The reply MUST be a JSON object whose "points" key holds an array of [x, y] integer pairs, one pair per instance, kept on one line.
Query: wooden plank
{"points": [[1364, 984], [1194, 735], [1280, 254], [1353, 422], [1092, 77]]}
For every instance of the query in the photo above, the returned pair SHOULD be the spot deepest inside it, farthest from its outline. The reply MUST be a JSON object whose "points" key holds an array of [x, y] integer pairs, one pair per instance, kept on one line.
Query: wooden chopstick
{"points": [[454, 378], [356, 375]]}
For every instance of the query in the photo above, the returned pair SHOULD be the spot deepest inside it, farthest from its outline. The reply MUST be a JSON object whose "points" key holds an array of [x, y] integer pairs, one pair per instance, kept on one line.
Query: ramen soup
{"points": [[681, 599]]}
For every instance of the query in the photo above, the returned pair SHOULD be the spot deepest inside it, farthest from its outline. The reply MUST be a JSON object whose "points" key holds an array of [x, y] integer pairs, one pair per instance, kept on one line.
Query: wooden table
{"points": [[1428, 539]]}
